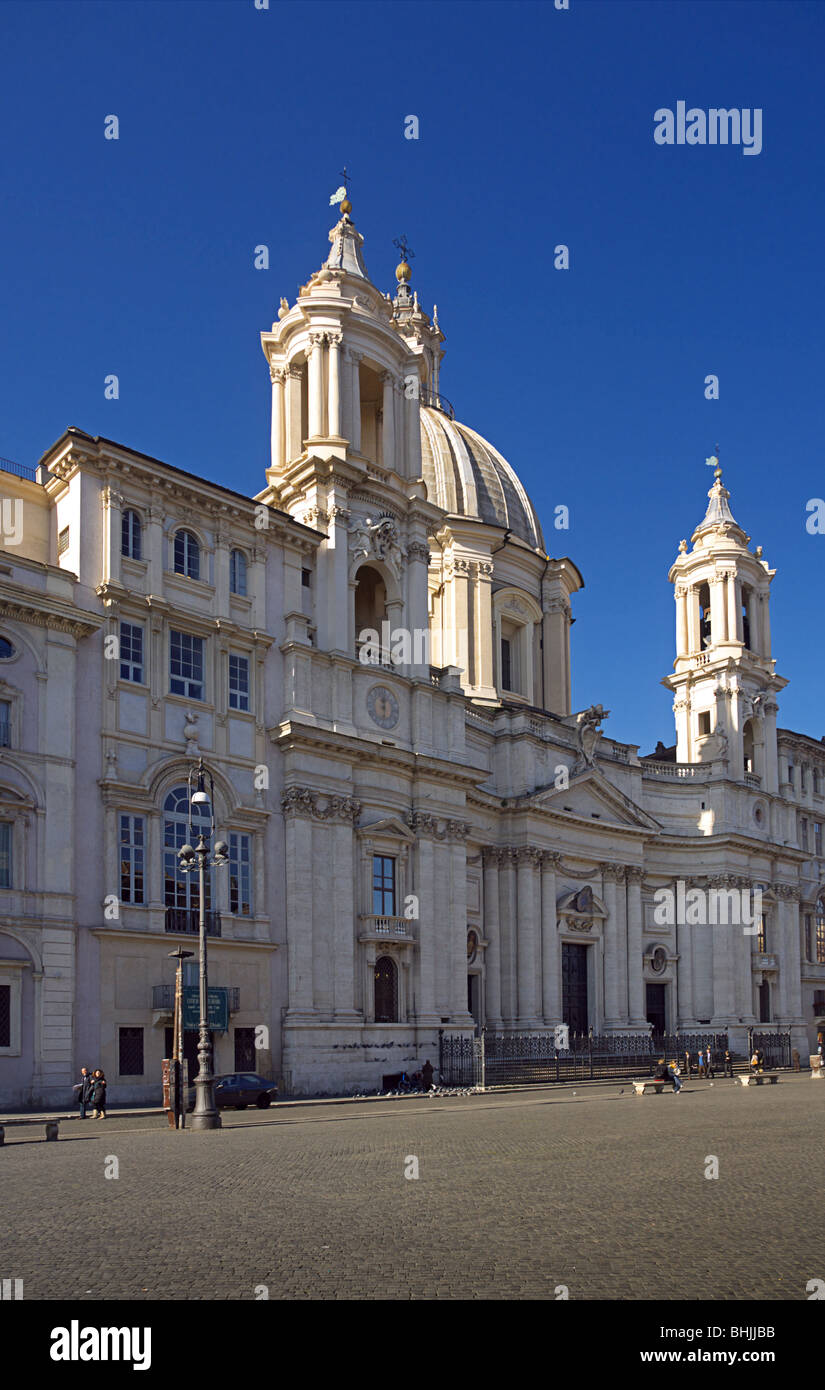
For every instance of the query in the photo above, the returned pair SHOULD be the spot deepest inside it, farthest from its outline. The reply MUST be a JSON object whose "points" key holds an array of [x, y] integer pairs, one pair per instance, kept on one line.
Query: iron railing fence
{"points": [[185, 919], [776, 1047], [20, 470], [492, 1059]]}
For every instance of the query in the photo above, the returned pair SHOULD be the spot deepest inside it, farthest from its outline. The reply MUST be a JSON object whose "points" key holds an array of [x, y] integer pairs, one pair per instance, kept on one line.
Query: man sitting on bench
{"points": [[668, 1072]]}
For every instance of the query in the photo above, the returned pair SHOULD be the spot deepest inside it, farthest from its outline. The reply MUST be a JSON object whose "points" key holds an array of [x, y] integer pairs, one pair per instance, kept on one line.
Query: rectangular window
{"points": [[506, 664], [5, 1015], [238, 682], [306, 578], [5, 854], [5, 723], [245, 1055], [818, 837], [383, 885], [820, 937], [240, 875], [808, 936], [803, 832], [131, 652], [132, 847], [131, 1052], [63, 540], [186, 665], [704, 722], [761, 935]]}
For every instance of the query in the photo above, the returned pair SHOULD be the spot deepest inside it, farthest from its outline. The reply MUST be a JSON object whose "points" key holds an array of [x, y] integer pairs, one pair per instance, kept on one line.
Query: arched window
{"points": [[237, 572], [386, 990], [820, 931], [6, 649], [187, 555], [181, 892], [748, 745], [131, 533]]}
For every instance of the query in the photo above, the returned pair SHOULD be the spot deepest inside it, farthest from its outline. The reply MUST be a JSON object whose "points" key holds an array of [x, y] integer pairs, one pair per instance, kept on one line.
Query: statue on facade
{"points": [[588, 732]]}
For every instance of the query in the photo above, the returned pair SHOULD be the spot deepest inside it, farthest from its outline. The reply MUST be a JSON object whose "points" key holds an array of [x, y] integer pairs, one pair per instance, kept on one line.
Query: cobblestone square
{"points": [[518, 1194]]}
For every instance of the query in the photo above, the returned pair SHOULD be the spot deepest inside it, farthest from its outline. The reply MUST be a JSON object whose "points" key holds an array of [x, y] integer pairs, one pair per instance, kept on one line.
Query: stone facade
{"points": [[373, 658]]}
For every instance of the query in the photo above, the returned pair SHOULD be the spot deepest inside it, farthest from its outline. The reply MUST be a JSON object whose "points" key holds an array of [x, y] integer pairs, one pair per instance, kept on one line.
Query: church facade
{"points": [[372, 656]]}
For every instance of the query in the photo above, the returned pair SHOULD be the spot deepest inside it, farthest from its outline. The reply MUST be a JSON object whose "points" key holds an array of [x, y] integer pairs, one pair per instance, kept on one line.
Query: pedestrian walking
{"points": [[760, 1059], [687, 1063], [98, 1097], [83, 1090], [427, 1075], [708, 1062], [728, 1063], [701, 1069]]}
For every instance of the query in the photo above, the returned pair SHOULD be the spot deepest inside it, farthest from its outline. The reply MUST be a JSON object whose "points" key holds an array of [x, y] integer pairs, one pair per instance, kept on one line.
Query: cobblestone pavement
{"points": [[517, 1194]]}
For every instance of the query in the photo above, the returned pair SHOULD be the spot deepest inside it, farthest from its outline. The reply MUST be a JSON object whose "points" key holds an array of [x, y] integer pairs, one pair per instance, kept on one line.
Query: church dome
{"points": [[468, 477]]}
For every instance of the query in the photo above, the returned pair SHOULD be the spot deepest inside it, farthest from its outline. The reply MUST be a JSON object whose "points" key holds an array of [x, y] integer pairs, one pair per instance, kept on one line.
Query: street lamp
{"points": [[192, 860]]}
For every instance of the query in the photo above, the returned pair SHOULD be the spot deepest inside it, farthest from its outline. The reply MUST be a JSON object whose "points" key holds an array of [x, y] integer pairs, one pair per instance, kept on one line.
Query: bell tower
{"points": [[724, 682]]}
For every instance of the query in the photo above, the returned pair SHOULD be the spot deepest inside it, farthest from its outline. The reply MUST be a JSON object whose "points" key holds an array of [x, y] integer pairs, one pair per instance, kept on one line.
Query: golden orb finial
{"points": [[403, 272], [346, 206]]}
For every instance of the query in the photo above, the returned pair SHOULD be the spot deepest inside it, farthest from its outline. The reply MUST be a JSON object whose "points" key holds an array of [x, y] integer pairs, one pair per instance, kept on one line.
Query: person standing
{"points": [[728, 1063], [701, 1070], [687, 1063], [708, 1062], [98, 1095], [84, 1091]]}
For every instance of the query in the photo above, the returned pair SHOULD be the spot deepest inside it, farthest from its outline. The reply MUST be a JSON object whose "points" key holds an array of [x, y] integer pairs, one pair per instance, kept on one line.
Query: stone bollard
{"points": [[816, 1067]]}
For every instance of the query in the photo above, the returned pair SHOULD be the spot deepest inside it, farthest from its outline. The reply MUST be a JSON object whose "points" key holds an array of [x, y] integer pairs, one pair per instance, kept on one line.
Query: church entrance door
{"points": [[656, 1007], [574, 987]]}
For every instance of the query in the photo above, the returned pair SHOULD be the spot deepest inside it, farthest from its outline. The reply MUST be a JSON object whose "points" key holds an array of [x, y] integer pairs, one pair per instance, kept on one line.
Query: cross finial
{"points": [[346, 177], [406, 253]]}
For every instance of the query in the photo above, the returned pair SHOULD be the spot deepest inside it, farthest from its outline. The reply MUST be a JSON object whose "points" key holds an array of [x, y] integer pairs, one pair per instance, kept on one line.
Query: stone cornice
{"points": [[41, 611]]}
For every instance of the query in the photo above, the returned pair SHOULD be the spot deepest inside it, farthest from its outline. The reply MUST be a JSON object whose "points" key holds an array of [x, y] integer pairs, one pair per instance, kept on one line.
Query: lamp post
{"points": [[194, 860], [179, 1099]]}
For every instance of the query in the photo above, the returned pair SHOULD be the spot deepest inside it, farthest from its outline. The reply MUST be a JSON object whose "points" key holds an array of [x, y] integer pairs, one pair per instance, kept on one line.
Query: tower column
{"points": [[734, 614], [292, 394], [719, 629], [278, 376], [315, 359], [680, 595], [765, 626], [527, 931], [388, 428], [355, 401], [334, 390], [694, 640]]}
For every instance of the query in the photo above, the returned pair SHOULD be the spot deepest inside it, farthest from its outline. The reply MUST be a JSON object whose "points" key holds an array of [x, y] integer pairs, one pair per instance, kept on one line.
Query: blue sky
{"points": [[536, 128]]}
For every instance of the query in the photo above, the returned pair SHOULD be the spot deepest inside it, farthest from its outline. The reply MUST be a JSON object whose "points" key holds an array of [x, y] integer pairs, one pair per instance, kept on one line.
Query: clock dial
{"points": [[383, 707]]}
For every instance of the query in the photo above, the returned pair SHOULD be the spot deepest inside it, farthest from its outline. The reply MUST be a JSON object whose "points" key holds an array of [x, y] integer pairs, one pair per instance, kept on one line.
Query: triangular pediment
{"points": [[591, 797], [391, 827]]}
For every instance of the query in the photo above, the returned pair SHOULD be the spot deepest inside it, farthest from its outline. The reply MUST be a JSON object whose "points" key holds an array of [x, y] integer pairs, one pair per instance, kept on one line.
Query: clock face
{"points": [[383, 707]]}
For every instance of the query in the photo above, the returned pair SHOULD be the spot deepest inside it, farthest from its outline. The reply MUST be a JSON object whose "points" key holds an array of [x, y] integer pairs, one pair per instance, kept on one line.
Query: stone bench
{"points": [[52, 1128], [757, 1078], [649, 1085]]}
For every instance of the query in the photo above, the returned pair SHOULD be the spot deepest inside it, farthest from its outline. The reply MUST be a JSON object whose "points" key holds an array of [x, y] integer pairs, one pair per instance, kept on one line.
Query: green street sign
{"points": [[217, 1010]]}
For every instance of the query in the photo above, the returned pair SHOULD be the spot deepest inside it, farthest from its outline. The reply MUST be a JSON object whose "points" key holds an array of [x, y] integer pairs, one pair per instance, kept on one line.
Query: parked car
{"points": [[239, 1089]]}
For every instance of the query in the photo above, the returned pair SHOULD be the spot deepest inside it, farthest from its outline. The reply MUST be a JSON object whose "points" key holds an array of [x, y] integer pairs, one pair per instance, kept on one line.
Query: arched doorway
{"points": [[386, 990]]}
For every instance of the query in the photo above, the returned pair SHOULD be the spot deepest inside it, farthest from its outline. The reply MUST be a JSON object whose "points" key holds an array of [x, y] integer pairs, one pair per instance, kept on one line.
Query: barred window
{"points": [[132, 847], [238, 682], [240, 875], [5, 1015], [761, 934], [63, 540], [237, 572], [131, 535], [383, 885], [131, 1052], [5, 854], [186, 665], [809, 936], [386, 990], [245, 1055], [820, 932], [187, 555], [131, 652]]}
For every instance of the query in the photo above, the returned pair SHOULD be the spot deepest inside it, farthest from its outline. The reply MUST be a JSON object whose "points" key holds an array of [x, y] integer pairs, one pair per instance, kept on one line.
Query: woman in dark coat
{"points": [[98, 1095]]}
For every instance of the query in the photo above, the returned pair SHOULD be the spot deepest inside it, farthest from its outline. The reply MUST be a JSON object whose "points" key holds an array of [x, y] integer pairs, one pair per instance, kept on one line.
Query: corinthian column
{"points": [[680, 594], [278, 375], [527, 938], [315, 349], [550, 954], [299, 916], [492, 960], [611, 948], [355, 402], [635, 980], [294, 432], [334, 401], [388, 432]]}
